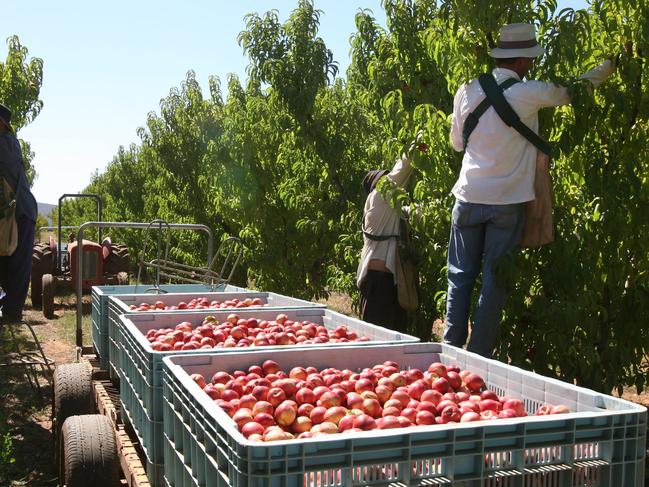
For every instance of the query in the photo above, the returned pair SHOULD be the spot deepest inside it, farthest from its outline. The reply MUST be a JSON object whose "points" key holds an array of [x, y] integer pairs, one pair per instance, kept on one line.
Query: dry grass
{"points": [[340, 302]]}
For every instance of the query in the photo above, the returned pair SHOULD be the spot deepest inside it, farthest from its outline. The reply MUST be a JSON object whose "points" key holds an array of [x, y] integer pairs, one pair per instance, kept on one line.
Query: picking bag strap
{"points": [[472, 119], [377, 238], [508, 115]]}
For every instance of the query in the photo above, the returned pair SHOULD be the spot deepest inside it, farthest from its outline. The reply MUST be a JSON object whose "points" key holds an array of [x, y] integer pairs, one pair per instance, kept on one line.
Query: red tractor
{"points": [[54, 263]]}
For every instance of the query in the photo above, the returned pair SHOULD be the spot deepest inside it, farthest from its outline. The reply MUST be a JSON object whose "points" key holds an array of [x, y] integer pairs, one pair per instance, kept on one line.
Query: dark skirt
{"points": [[380, 302]]}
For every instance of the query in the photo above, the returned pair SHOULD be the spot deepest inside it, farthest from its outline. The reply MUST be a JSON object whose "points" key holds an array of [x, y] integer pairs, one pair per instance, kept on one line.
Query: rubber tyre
{"points": [[42, 263], [118, 259], [88, 452], [73, 394], [49, 285]]}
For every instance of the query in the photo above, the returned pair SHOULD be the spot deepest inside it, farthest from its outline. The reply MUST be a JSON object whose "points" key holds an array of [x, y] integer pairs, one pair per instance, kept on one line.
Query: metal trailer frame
{"points": [[104, 391], [128, 225]]}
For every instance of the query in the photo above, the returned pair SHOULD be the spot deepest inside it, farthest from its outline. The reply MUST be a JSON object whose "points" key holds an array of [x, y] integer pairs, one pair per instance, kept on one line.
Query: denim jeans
{"points": [[480, 234], [15, 272]]}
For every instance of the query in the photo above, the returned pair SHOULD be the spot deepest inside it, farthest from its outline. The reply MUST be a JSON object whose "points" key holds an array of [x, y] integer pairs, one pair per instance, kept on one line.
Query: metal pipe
{"points": [[49, 229], [100, 205], [131, 225]]}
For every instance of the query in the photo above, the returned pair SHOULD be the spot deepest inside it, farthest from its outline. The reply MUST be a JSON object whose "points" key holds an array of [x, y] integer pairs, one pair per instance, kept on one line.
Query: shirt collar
{"points": [[504, 73]]}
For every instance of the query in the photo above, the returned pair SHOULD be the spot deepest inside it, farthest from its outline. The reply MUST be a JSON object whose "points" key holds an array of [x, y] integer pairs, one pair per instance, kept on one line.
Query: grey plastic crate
{"points": [[141, 366], [120, 304], [602, 443], [99, 312]]}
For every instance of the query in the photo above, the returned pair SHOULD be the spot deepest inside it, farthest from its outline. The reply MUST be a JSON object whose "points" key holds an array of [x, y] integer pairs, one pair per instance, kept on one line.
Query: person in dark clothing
{"points": [[15, 269]]}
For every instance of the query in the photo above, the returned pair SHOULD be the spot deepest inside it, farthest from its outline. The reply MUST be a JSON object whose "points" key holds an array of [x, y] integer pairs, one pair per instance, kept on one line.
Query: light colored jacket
{"points": [[382, 219]]}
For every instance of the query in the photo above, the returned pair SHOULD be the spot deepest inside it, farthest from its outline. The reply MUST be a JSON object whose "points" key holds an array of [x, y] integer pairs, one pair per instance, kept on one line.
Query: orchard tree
{"points": [[279, 161], [298, 138], [578, 305], [20, 86]]}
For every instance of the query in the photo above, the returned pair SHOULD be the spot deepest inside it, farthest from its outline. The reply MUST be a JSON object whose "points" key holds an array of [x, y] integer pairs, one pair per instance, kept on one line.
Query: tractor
{"points": [[54, 263]]}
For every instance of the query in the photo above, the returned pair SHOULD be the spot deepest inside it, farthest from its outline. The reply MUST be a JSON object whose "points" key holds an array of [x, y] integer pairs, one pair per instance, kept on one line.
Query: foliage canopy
{"points": [[279, 164]]}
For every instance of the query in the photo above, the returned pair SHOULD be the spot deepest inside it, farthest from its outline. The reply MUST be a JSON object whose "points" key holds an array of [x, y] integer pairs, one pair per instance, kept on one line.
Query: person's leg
{"points": [[19, 267], [464, 257], [380, 303], [503, 233]]}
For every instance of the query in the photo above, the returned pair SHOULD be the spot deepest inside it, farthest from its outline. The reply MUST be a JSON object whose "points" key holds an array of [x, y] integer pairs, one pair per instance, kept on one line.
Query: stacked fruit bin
{"points": [[141, 374], [600, 442], [167, 303], [99, 312]]}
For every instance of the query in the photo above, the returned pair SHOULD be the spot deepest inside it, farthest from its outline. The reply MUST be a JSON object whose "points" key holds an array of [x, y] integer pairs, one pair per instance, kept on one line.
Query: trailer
{"points": [[93, 445]]}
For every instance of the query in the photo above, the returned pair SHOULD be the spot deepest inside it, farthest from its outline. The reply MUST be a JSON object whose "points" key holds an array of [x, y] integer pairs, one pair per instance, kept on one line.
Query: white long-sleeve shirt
{"points": [[381, 219], [498, 165]]}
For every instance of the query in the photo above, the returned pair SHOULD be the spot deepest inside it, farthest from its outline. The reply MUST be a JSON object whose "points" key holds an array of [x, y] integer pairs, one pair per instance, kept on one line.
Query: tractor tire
{"points": [[117, 261], [88, 452], [49, 288], [73, 395], [42, 263]]}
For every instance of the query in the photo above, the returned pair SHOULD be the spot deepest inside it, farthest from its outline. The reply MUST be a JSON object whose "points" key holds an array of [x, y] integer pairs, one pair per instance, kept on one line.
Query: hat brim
{"points": [[530, 52]]}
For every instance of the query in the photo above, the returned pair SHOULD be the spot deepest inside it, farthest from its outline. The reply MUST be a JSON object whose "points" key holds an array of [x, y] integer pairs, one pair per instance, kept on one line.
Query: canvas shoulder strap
{"points": [[508, 115], [472, 119]]}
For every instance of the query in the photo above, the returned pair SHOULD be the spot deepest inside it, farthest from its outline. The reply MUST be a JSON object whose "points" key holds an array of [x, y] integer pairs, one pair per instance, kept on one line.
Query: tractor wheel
{"points": [[48, 284], [88, 452], [72, 386], [42, 263], [118, 259]]}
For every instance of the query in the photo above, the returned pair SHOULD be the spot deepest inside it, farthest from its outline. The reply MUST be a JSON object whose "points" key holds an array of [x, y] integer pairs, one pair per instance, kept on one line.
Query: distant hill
{"points": [[45, 209]]}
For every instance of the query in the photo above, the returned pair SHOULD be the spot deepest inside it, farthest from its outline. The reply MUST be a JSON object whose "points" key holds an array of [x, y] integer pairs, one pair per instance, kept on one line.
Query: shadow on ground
{"points": [[26, 455]]}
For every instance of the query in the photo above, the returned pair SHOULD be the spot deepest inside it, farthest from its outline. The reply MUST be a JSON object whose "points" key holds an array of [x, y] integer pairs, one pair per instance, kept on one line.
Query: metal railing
{"points": [[127, 225]]}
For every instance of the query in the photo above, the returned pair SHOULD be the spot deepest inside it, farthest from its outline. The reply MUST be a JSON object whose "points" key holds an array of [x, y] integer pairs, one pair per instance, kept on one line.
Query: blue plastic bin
{"points": [[119, 305], [602, 443], [99, 312], [141, 380]]}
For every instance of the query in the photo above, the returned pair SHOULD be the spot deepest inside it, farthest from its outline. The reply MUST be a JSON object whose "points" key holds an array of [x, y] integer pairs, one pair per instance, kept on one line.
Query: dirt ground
{"points": [[25, 411]]}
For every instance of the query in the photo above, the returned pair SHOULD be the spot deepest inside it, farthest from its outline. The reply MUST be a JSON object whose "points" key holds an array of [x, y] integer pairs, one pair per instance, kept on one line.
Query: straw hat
{"points": [[517, 40]]}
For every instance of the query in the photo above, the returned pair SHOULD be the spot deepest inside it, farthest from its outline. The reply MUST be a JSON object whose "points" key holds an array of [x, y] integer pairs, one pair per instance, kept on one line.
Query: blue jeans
{"points": [[480, 234], [15, 272]]}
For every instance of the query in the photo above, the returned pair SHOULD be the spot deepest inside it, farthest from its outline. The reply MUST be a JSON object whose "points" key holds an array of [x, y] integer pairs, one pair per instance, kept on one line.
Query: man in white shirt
{"points": [[376, 275], [495, 182]]}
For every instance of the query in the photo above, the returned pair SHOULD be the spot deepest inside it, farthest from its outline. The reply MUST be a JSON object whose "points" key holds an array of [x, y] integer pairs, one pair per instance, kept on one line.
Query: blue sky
{"points": [[107, 64]]}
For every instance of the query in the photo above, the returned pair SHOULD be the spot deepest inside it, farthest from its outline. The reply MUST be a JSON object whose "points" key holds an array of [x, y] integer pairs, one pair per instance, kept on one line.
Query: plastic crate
{"points": [[119, 305], [138, 419], [141, 366], [100, 295], [601, 444]]}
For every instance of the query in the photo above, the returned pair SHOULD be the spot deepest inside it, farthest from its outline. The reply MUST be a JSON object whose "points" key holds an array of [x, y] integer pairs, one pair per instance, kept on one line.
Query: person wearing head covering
{"points": [[15, 269], [376, 274], [495, 182]]}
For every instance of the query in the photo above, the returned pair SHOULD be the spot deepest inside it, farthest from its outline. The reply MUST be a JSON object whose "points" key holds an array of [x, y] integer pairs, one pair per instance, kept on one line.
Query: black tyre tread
{"points": [[73, 393], [42, 255], [47, 294], [118, 247], [36, 289], [89, 452], [118, 260], [41, 264]]}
